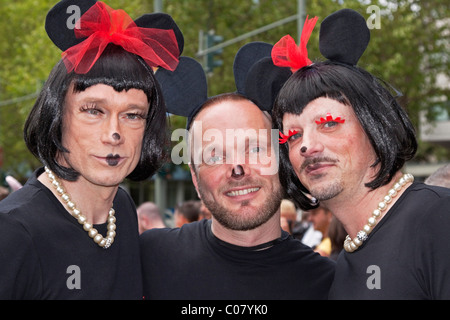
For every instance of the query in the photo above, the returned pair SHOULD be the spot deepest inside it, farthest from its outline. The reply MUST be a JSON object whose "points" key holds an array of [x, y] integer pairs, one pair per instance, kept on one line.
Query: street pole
{"points": [[157, 6], [301, 8], [160, 183]]}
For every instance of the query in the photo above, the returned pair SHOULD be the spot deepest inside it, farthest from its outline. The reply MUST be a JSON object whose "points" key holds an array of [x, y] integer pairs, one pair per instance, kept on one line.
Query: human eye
{"points": [[213, 160], [255, 149], [91, 109], [213, 155], [136, 116], [330, 124], [290, 137], [295, 136]]}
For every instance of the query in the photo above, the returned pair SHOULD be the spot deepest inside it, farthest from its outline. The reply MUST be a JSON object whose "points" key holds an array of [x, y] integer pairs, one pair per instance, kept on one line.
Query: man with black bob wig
{"points": [[71, 232], [344, 141]]}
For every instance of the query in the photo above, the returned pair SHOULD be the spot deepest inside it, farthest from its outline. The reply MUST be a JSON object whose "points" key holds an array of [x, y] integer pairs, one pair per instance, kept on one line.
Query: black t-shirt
{"points": [[46, 254], [407, 255], [190, 263]]}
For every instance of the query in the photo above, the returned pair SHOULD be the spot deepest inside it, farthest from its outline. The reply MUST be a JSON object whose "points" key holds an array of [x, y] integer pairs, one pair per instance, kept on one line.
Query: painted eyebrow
{"points": [[103, 101]]}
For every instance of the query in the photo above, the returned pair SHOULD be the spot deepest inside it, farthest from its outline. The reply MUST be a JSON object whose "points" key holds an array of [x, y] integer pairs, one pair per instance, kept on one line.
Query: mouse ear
{"points": [[344, 36], [245, 58], [161, 21], [256, 76], [61, 19], [185, 89], [264, 81]]}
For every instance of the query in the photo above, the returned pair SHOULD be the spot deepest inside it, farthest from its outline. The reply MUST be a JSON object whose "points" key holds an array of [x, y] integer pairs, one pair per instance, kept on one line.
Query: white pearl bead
{"points": [[102, 242], [93, 232], [372, 221], [392, 193], [111, 227], [75, 214], [98, 238], [81, 219], [382, 206], [376, 213], [87, 226], [111, 219], [111, 233]]}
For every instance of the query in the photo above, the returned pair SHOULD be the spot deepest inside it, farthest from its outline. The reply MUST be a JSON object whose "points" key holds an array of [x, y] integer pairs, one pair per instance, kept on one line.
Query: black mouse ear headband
{"points": [[263, 79], [154, 37], [255, 75], [184, 90], [343, 38]]}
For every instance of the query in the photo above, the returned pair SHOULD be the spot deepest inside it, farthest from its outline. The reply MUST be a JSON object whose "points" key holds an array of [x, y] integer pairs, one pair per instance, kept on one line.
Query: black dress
{"points": [[46, 254], [407, 255]]}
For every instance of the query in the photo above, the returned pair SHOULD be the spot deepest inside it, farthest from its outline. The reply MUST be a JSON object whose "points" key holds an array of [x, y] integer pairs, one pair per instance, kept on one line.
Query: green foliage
{"points": [[409, 51]]}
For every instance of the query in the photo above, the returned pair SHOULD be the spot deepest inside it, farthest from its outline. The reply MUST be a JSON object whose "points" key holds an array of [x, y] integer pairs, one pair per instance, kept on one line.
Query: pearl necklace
{"points": [[351, 245], [105, 243]]}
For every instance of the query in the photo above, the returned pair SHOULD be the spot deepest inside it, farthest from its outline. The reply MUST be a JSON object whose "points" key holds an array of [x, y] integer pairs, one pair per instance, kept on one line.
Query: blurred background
{"points": [[409, 49]]}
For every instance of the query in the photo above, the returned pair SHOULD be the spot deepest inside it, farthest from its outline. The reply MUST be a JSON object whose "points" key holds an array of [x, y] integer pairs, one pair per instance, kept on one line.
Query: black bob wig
{"points": [[122, 71], [384, 121]]}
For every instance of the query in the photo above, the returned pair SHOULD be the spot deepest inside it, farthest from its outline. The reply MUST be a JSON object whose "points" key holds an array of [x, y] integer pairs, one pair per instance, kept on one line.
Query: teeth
{"points": [[242, 192]]}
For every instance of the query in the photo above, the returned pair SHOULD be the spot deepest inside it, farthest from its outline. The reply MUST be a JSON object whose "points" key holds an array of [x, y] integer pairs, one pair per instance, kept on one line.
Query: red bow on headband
{"points": [[102, 25], [286, 53]]}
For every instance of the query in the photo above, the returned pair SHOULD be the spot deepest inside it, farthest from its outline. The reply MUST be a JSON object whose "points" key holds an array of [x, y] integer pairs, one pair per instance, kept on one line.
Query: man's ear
{"points": [[194, 178]]}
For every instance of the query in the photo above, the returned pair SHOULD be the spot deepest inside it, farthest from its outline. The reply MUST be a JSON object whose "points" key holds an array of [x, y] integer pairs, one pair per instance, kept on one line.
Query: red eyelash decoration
{"points": [[284, 138], [329, 119]]}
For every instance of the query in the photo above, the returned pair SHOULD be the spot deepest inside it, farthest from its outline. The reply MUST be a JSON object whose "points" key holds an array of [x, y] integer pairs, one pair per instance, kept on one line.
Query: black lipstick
{"points": [[112, 160]]}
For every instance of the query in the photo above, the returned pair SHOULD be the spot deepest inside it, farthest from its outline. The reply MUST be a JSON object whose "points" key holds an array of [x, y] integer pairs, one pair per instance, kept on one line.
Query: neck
{"points": [[92, 200], [354, 212], [269, 231]]}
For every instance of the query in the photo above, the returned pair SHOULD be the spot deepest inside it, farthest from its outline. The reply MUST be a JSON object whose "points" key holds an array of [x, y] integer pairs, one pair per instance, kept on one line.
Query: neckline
{"points": [[258, 248], [386, 217]]}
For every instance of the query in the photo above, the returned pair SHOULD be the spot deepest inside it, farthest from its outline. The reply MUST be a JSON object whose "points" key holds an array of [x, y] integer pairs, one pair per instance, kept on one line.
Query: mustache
{"points": [[315, 160], [244, 182]]}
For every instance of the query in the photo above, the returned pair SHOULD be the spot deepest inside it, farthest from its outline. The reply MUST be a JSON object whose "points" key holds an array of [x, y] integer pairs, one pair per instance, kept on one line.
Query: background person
{"points": [[149, 216], [186, 212]]}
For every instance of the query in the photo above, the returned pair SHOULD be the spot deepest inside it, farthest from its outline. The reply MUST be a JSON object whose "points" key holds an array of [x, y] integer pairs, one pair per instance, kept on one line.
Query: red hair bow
{"points": [[102, 25], [286, 53]]}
